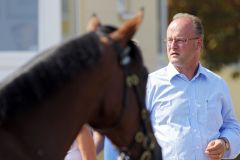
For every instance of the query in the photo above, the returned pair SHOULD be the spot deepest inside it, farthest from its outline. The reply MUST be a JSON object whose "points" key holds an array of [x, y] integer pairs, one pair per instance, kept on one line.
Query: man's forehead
{"points": [[180, 24]]}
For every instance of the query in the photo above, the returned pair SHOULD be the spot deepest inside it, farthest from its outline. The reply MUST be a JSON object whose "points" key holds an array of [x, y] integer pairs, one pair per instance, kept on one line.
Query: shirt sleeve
{"points": [[231, 126]]}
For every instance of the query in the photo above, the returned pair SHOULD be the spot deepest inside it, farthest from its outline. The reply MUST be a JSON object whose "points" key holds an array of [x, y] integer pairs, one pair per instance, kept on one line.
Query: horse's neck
{"points": [[50, 128], [11, 148]]}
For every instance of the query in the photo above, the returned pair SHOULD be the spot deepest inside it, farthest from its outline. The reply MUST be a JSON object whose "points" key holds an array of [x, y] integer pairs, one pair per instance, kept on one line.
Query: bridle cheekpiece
{"points": [[144, 136]]}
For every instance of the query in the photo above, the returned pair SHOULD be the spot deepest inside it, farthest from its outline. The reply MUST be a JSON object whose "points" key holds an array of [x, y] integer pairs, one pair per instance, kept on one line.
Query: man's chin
{"points": [[175, 62]]}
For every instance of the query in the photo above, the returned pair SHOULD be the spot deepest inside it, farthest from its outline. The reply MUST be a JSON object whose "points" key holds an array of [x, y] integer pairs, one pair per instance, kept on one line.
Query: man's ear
{"points": [[198, 44]]}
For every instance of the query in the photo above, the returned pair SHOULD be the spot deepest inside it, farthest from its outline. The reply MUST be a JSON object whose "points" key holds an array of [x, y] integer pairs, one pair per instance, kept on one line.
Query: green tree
{"points": [[221, 20]]}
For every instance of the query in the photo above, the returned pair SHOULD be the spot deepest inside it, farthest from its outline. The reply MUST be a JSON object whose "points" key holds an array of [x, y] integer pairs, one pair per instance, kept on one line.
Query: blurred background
{"points": [[28, 27]]}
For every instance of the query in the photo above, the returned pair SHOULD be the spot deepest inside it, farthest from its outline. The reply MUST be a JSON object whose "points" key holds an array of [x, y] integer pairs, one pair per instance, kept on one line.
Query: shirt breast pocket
{"points": [[209, 113], [202, 111], [214, 108], [174, 112]]}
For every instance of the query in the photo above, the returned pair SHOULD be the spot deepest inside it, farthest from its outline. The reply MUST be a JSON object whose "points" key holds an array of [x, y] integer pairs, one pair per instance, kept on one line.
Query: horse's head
{"points": [[122, 114], [98, 78]]}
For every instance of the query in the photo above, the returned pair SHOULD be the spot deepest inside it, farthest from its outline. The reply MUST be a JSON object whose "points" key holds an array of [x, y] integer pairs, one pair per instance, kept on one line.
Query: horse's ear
{"points": [[128, 29], [93, 23]]}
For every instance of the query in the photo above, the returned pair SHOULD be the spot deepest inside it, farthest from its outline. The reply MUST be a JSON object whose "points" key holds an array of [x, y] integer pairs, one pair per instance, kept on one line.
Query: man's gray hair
{"points": [[197, 23]]}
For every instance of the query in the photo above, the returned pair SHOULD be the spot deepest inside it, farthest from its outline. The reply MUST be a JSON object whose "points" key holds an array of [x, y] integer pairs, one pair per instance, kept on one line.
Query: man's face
{"points": [[183, 46]]}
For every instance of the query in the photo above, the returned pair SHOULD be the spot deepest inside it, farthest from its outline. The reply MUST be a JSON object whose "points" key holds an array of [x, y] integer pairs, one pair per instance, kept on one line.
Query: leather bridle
{"points": [[144, 136]]}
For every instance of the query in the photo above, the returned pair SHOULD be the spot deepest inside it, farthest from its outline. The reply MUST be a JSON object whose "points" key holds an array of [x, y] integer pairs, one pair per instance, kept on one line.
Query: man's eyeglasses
{"points": [[180, 40]]}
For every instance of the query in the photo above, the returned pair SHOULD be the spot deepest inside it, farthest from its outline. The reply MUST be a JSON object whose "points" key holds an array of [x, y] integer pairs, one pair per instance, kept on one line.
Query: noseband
{"points": [[143, 136]]}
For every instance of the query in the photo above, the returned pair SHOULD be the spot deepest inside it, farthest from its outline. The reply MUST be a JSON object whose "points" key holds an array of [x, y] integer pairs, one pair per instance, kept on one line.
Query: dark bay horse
{"points": [[97, 79]]}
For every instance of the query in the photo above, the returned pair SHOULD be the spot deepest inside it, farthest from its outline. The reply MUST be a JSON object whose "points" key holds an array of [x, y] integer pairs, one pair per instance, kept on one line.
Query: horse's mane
{"points": [[46, 73]]}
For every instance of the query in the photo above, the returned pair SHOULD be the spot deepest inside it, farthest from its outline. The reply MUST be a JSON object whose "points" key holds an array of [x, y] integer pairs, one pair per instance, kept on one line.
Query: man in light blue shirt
{"points": [[190, 106]]}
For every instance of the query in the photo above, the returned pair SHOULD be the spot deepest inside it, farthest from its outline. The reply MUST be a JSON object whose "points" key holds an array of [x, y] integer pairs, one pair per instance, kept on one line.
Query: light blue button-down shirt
{"points": [[187, 114]]}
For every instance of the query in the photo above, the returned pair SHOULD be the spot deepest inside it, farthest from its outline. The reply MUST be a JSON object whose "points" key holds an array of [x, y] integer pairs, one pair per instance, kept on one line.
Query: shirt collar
{"points": [[172, 72], [201, 72]]}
